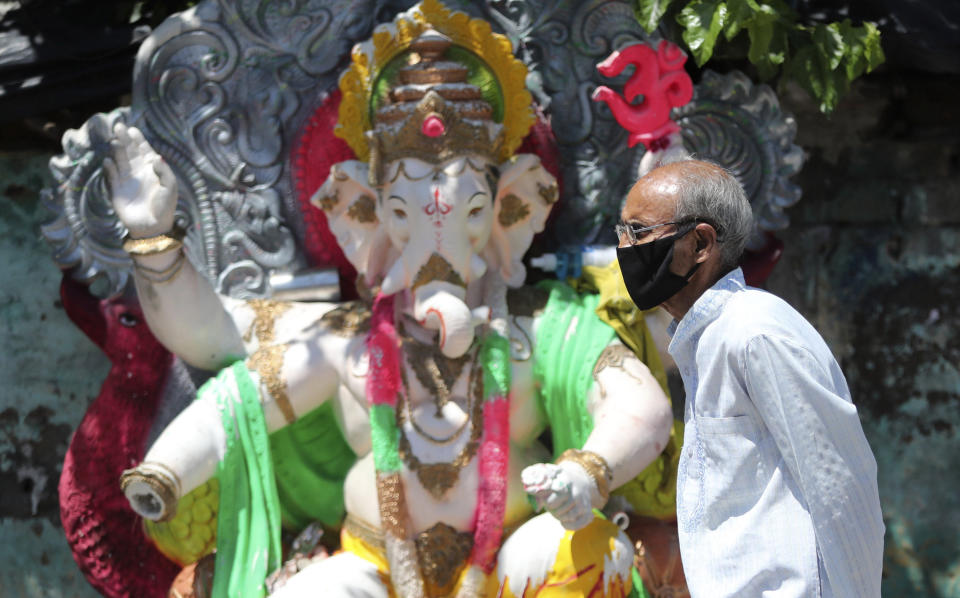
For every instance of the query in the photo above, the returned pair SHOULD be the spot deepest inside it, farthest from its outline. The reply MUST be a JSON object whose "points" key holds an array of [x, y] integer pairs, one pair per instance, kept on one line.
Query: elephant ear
{"points": [[350, 204], [526, 193]]}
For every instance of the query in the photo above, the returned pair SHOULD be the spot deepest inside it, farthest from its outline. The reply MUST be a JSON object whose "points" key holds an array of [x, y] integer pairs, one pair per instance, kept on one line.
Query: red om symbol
{"points": [[659, 77]]}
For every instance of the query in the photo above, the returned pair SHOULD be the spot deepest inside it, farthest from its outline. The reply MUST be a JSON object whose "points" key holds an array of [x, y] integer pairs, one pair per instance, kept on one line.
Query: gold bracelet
{"points": [[161, 275], [161, 480], [153, 245], [595, 465]]}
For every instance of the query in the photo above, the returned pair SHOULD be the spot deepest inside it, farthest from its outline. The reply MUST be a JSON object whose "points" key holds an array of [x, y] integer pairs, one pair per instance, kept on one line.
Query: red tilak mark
{"points": [[440, 208]]}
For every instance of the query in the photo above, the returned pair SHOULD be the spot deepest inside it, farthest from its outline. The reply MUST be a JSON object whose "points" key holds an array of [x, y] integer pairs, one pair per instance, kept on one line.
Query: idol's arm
{"points": [[185, 314], [180, 305], [631, 414], [291, 380], [631, 426]]}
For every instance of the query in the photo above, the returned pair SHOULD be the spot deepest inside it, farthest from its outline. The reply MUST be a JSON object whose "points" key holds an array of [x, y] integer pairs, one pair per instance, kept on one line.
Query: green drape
{"points": [[248, 525]]}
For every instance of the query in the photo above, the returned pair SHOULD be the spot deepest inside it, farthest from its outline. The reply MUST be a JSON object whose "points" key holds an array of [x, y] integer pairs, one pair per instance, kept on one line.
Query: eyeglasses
{"points": [[634, 233]]}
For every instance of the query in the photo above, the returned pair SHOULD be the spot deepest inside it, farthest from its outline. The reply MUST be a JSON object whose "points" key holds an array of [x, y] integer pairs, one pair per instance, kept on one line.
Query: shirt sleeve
{"points": [[818, 432]]}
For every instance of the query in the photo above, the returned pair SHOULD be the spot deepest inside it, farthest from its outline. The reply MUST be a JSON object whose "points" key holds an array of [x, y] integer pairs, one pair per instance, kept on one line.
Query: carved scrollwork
{"points": [[730, 120], [243, 279], [84, 233], [83, 230], [223, 90], [740, 126], [256, 211], [561, 43]]}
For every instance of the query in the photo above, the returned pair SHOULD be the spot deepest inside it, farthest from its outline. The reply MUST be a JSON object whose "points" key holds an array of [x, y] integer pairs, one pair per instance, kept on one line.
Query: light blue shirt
{"points": [[777, 486]]}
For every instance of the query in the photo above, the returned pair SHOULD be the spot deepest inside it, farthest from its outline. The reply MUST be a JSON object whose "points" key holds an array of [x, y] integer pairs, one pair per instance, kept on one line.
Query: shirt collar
{"points": [[705, 309]]}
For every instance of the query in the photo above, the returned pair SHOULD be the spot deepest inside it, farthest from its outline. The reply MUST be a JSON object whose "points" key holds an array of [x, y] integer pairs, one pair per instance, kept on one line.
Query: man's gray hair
{"points": [[715, 195]]}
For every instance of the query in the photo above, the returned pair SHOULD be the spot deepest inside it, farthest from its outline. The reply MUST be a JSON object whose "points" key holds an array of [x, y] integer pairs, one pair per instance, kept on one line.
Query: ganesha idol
{"points": [[442, 379]]}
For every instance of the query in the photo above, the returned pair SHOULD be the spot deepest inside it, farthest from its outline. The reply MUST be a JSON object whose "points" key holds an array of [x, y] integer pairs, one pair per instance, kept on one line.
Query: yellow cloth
{"points": [[577, 571], [191, 534], [653, 493]]}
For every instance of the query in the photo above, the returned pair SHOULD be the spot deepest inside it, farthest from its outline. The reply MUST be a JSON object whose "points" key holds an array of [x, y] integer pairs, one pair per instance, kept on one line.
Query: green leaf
{"points": [[702, 21], [829, 42], [649, 13], [872, 48], [854, 62], [810, 68], [739, 15], [863, 51], [805, 70], [825, 57], [768, 42], [783, 9]]}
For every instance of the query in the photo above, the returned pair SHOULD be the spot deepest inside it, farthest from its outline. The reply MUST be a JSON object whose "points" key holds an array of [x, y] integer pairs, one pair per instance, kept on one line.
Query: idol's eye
{"points": [[476, 211], [399, 203]]}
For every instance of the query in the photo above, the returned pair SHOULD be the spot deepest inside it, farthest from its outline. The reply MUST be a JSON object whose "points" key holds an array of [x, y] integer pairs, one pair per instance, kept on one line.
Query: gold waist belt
{"points": [[441, 550]]}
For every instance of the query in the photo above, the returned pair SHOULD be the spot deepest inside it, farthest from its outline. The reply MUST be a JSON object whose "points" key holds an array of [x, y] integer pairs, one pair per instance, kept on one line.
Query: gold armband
{"points": [[595, 465], [153, 245], [268, 363]]}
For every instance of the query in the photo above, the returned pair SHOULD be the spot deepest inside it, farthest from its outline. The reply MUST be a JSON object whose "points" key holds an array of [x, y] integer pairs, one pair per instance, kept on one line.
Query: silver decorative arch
{"points": [[561, 42], [84, 232], [223, 90]]}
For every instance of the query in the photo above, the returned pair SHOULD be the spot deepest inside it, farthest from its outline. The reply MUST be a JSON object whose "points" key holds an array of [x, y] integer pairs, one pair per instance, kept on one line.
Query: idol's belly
{"points": [[457, 505]]}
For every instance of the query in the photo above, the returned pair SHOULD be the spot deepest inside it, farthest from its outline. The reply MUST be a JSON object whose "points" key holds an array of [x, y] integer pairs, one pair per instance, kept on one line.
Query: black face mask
{"points": [[646, 270]]}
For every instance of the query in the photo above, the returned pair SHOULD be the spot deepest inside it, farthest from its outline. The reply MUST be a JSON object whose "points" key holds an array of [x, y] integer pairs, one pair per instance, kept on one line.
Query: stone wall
{"points": [[49, 373], [871, 259]]}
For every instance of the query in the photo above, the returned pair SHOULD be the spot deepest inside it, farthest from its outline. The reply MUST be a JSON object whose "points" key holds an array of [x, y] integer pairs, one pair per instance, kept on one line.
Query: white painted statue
{"points": [[436, 379]]}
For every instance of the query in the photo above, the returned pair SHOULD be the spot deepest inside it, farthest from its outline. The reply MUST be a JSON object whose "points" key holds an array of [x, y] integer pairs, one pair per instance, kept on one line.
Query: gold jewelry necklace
{"points": [[439, 478], [456, 434], [435, 372]]}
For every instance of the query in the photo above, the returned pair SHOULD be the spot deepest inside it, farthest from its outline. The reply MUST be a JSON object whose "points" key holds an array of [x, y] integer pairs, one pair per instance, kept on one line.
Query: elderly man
{"points": [[777, 486]]}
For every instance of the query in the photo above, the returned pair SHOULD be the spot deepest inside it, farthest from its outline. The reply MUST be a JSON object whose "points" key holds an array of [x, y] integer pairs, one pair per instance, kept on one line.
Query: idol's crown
{"points": [[433, 113]]}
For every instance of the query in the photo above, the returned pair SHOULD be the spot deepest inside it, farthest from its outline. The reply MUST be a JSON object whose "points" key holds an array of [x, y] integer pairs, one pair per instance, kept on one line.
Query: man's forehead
{"points": [[651, 198]]}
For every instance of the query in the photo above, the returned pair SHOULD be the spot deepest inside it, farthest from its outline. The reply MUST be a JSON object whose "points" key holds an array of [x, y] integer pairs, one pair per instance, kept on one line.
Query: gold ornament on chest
{"points": [[438, 374], [435, 372]]}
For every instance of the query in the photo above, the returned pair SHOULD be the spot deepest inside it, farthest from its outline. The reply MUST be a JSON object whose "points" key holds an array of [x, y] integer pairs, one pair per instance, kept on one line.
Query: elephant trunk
{"points": [[441, 306]]}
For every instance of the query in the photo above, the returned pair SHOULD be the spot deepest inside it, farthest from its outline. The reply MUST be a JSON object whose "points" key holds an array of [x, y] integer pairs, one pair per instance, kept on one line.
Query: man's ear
{"points": [[706, 236]]}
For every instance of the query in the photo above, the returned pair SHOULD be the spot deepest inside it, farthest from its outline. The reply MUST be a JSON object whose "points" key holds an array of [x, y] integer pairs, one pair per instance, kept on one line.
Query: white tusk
{"points": [[480, 315], [478, 267], [393, 282]]}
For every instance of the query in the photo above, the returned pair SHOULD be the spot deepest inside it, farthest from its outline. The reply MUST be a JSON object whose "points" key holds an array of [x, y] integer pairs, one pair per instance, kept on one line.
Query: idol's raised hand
{"points": [[143, 189]]}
